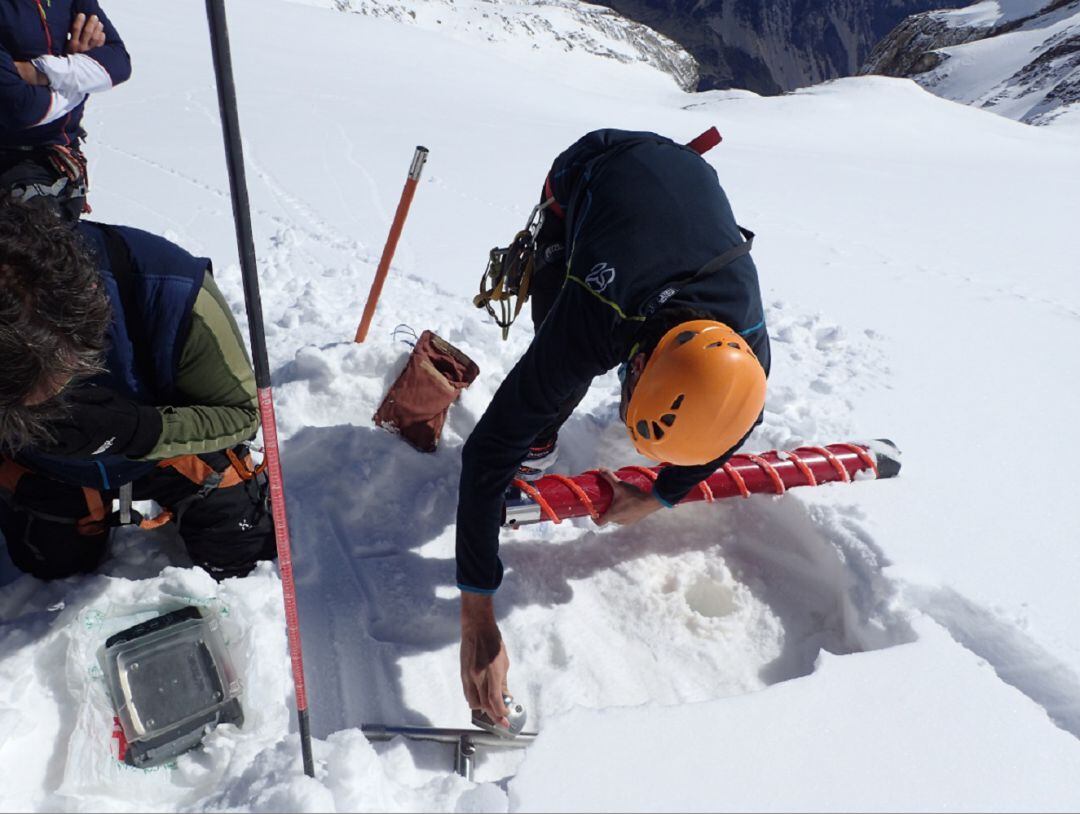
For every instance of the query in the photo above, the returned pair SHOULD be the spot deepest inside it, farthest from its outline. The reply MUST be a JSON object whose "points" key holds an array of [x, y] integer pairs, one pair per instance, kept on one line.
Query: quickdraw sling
{"points": [[508, 275]]}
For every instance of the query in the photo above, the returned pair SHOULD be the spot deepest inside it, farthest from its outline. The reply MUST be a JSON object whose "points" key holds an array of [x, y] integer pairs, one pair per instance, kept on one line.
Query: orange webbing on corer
{"points": [[579, 493], [863, 454], [643, 470], [841, 470], [706, 492], [731, 472], [802, 467], [778, 482], [538, 498]]}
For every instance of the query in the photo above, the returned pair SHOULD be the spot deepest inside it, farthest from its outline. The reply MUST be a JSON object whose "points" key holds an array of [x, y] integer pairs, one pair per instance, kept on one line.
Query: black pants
{"points": [[549, 274], [225, 532]]}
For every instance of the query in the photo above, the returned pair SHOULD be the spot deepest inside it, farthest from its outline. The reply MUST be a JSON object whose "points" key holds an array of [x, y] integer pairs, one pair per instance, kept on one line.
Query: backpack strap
{"points": [[123, 271], [721, 261], [706, 141]]}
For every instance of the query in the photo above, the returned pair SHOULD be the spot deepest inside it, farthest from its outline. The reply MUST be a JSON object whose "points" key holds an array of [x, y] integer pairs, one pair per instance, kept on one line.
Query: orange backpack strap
{"points": [[199, 472], [10, 474], [95, 522], [244, 467]]}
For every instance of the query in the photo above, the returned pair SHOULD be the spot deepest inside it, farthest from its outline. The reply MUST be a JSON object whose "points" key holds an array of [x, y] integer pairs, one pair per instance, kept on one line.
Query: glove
{"points": [[102, 422]]}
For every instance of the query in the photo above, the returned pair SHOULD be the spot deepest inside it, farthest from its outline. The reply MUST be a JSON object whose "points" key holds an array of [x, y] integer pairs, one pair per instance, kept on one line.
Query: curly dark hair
{"points": [[54, 317]]}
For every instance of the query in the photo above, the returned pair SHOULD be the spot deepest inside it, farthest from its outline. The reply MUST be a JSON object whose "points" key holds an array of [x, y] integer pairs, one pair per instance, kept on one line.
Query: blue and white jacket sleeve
{"points": [[23, 105], [102, 68]]}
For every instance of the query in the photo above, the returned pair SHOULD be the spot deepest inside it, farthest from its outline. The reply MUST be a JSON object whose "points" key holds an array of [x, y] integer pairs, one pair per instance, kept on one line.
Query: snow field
{"points": [[906, 644]]}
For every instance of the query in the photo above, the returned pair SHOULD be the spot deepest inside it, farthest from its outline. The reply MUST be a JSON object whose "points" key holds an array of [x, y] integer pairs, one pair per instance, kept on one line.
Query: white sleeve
{"points": [[74, 75], [60, 106]]}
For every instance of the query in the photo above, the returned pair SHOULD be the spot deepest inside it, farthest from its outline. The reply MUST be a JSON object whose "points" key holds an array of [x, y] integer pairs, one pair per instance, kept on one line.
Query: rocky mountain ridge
{"points": [[567, 24], [1020, 58], [774, 46]]}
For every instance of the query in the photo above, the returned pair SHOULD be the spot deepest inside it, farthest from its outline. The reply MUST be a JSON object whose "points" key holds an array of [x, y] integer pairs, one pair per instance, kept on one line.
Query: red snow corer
{"points": [[557, 497]]}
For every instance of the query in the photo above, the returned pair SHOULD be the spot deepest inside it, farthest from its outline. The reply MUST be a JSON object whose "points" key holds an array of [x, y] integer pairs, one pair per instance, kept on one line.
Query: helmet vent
{"points": [[657, 431], [675, 405], [667, 419], [643, 429], [685, 337]]}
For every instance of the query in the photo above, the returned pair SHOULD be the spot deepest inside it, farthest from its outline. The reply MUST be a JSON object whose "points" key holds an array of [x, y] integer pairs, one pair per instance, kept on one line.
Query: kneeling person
{"points": [[123, 376]]}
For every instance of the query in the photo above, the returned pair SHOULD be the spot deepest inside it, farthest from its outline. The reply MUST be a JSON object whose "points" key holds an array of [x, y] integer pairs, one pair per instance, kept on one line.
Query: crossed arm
{"points": [[39, 91]]}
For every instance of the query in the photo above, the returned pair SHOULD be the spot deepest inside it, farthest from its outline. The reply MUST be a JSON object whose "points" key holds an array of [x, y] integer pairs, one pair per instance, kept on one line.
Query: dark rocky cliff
{"points": [[1026, 65], [772, 46]]}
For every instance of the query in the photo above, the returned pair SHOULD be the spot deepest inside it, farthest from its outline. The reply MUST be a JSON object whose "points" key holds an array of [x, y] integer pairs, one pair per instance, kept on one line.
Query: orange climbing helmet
{"points": [[701, 391]]}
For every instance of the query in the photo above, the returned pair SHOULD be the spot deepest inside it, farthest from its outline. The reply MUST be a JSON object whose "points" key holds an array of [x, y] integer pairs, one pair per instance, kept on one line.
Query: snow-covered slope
{"points": [[905, 644], [1019, 58], [549, 25]]}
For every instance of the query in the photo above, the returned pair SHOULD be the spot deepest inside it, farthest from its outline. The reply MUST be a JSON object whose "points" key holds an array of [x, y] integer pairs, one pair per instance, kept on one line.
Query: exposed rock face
{"points": [[911, 47], [569, 24], [773, 46], [1020, 58]]}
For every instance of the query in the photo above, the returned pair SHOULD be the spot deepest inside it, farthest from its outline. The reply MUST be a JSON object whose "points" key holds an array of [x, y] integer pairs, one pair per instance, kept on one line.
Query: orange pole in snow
{"points": [[419, 157]]}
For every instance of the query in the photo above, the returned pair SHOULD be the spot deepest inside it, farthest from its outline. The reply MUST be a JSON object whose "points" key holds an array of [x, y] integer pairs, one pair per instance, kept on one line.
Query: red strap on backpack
{"points": [[549, 194], [706, 141]]}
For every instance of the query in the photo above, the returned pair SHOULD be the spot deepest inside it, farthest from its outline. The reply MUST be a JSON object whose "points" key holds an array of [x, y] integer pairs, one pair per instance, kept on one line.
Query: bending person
{"points": [[640, 266]]}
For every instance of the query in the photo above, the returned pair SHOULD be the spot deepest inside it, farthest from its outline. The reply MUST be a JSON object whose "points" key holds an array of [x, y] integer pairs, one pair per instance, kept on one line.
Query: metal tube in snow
{"points": [[555, 497]]}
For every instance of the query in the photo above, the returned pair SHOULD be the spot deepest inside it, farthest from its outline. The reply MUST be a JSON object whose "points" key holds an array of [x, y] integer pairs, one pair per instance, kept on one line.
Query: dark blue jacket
{"points": [[34, 28], [642, 215], [144, 341]]}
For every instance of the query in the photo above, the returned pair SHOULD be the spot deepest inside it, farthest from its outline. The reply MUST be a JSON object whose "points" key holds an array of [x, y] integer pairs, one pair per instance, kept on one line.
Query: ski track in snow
{"points": [[1017, 660]]}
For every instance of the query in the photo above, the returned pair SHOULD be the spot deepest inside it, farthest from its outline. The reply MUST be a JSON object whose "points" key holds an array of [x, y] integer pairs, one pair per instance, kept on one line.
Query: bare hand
{"points": [[484, 662], [86, 34], [31, 75], [628, 503]]}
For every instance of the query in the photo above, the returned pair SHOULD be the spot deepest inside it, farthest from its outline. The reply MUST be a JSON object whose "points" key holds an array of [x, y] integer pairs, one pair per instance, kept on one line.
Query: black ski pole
{"points": [[234, 157]]}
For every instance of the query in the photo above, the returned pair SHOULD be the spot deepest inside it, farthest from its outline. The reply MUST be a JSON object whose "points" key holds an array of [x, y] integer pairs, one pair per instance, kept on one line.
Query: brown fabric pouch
{"points": [[417, 403]]}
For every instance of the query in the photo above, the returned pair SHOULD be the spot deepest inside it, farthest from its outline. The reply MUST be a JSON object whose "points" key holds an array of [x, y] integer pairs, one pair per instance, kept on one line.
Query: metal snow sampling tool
{"points": [[557, 497], [419, 157], [466, 741], [234, 157]]}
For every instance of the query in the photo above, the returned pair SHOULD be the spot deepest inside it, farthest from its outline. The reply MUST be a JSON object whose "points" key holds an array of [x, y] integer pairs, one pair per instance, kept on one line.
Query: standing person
{"points": [[53, 53], [641, 266], [123, 376]]}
